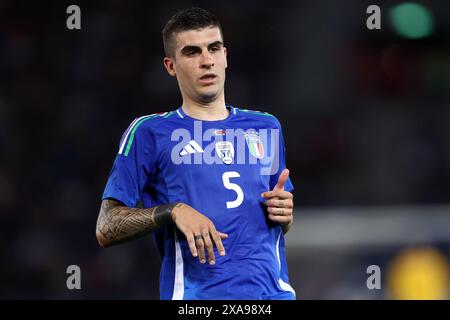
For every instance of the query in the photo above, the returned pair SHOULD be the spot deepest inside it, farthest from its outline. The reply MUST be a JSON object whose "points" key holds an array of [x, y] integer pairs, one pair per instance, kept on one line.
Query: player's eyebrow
{"points": [[191, 48], [215, 43], [188, 49]]}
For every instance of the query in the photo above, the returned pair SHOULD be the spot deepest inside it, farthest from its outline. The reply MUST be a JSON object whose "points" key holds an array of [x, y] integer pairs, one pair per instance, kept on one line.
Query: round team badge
{"points": [[225, 151]]}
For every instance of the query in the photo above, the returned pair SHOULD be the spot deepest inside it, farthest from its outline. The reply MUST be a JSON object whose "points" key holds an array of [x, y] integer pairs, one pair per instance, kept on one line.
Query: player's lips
{"points": [[208, 78]]}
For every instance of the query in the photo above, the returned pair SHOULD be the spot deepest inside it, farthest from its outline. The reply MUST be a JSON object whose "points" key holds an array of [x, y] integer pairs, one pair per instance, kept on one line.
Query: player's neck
{"points": [[212, 111]]}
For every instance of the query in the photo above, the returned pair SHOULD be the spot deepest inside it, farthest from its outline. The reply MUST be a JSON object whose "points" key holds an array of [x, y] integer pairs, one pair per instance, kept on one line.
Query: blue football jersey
{"points": [[219, 168]]}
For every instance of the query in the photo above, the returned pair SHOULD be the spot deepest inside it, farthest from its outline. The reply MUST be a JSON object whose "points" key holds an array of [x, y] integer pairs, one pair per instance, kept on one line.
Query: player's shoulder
{"points": [[143, 127], [256, 115], [150, 121]]}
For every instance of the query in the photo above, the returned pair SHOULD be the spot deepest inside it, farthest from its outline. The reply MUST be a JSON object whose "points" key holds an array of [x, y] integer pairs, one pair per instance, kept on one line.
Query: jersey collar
{"points": [[182, 115]]}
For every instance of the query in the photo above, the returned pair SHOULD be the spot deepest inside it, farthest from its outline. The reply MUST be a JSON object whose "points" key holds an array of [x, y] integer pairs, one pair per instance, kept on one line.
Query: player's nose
{"points": [[206, 60]]}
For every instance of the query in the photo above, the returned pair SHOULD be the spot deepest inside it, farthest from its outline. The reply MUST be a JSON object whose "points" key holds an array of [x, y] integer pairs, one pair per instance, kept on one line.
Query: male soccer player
{"points": [[209, 176]]}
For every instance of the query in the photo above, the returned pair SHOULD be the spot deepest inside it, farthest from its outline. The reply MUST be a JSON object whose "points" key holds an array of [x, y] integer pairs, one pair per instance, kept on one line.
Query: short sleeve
{"points": [[280, 163], [134, 165]]}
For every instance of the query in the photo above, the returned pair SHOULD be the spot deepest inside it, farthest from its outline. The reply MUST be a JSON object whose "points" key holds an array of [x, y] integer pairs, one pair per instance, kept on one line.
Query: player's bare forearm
{"points": [[117, 223]]}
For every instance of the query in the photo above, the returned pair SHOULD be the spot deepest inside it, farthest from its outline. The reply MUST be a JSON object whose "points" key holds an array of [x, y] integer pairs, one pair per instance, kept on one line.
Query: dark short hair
{"points": [[189, 19]]}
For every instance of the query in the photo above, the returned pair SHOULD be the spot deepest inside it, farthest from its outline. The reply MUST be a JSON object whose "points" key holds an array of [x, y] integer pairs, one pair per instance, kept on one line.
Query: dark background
{"points": [[365, 115]]}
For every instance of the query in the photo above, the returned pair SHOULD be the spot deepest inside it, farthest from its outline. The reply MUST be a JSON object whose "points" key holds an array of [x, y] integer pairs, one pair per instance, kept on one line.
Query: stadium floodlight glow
{"points": [[411, 20]]}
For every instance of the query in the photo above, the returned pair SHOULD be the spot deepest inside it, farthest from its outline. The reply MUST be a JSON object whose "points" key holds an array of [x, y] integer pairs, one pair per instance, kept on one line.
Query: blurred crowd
{"points": [[365, 118]]}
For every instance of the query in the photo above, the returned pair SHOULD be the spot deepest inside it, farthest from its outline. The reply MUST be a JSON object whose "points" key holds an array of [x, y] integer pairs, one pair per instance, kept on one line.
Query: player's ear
{"points": [[170, 66], [225, 52]]}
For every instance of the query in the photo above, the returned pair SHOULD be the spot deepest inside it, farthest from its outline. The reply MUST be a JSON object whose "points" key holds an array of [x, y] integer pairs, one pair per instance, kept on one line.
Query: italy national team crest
{"points": [[254, 143], [225, 151]]}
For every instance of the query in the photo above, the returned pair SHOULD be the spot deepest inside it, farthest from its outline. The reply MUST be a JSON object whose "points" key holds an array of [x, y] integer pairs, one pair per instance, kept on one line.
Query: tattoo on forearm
{"points": [[119, 223]]}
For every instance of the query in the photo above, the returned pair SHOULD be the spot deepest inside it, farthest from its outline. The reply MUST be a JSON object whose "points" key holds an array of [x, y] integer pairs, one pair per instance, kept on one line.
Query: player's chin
{"points": [[207, 96]]}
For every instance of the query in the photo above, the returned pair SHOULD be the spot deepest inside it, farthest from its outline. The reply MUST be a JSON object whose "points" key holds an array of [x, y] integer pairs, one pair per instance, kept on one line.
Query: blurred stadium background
{"points": [[366, 123]]}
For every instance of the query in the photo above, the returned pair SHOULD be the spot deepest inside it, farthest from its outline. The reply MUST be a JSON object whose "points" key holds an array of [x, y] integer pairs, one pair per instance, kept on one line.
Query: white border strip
{"points": [[278, 251], [178, 287], [283, 285]]}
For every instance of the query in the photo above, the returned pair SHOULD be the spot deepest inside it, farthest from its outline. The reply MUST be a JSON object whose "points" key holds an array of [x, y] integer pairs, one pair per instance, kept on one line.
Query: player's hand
{"points": [[280, 203], [200, 232]]}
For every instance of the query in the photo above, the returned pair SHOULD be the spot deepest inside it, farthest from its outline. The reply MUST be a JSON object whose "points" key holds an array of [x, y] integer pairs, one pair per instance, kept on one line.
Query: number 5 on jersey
{"points": [[233, 186]]}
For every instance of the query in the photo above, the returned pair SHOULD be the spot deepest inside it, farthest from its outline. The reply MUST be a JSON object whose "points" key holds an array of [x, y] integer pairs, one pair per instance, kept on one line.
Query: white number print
{"points": [[233, 186]]}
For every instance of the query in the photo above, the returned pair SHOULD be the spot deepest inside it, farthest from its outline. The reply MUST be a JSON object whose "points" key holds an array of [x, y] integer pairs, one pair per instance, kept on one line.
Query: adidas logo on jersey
{"points": [[191, 147]]}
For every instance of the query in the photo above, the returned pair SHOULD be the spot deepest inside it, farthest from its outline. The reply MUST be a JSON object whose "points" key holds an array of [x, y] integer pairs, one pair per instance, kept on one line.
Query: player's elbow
{"points": [[101, 239]]}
